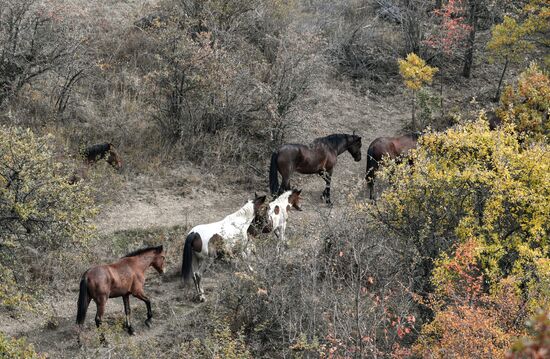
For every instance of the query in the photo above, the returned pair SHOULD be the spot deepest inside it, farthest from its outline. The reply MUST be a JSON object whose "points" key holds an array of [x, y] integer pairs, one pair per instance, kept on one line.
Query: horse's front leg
{"points": [[127, 311], [247, 250], [327, 176], [140, 295]]}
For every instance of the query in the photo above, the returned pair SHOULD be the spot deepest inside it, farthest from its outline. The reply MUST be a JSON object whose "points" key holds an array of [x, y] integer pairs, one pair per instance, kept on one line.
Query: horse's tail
{"points": [[273, 174], [83, 300], [372, 164], [187, 260]]}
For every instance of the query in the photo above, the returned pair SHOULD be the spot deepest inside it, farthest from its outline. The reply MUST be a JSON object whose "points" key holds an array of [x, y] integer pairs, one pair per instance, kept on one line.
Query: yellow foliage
{"points": [[17, 349], [480, 200], [509, 41], [38, 206], [415, 72], [528, 105]]}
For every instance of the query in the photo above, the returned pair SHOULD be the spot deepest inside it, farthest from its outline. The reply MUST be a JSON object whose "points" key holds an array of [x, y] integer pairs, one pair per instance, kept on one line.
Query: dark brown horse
{"points": [[105, 151], [94, 153], [320, 157], [393, 147], [119, 279]]}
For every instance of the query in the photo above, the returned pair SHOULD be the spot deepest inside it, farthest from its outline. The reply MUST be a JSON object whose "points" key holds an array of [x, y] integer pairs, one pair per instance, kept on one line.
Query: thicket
{"points": [[453, 258], [42, 216]]}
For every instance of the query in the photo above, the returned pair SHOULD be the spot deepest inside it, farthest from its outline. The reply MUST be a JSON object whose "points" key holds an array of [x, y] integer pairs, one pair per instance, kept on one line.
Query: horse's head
{"points": [[294, 199], [159, 260], [259, 205], [354, 146], [113, 158]]}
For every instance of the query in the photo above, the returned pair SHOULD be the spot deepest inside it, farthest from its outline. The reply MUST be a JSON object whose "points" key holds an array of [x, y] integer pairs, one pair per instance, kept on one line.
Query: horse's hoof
{"points": [[202, 298], [131, 331], [148, 323]]}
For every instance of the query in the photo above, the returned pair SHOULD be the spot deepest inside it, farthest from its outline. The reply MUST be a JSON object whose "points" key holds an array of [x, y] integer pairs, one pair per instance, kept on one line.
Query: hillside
{"points": [[194, 96]]}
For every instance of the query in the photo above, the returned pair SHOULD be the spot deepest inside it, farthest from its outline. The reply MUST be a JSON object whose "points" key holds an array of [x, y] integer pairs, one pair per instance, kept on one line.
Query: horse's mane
{"points": [[137, 252], [414, 135], [333, 139]]}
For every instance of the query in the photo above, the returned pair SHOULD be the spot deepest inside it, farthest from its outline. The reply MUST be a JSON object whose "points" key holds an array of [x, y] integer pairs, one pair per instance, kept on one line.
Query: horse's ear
{"points": [[160, 248], [353, 133]]}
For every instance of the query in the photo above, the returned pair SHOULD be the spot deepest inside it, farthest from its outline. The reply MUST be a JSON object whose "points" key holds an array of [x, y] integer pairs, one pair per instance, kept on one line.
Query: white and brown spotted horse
{"points": [[209, 240]]}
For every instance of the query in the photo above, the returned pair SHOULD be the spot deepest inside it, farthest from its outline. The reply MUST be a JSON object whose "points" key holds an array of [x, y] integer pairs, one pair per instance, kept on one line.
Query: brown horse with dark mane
{"points": [[393, 147], [320, 157], [119, 279], [93, 154]]}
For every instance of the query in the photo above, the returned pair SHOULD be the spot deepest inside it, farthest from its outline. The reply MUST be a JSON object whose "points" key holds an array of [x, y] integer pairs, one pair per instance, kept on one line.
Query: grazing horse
{"points": [[394, 147], [94, 153], [120, 279], [320, 157], [279, 210], [218, 238], [275, 217]]}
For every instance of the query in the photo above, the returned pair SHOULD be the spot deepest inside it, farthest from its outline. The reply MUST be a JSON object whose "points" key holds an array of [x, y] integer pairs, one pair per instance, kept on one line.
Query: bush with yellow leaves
{"points": [[475, 206], [17, 349], [528, 104], [40, 212]]}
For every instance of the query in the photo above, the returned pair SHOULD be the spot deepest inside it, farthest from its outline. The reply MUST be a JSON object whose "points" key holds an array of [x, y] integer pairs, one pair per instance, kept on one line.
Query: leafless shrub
{"points": [[345, 293], [33, 43]]}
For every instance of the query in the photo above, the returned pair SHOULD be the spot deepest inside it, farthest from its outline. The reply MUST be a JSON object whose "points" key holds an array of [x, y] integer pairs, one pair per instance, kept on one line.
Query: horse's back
{"points": [[404, 144], [391, 146], [382, 146]]}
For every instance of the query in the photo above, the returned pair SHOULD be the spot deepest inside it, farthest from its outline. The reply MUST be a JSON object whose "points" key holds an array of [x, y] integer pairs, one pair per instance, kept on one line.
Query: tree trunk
{"points": [[469, 55], [414, 111], [497, 96], [441, 95]]}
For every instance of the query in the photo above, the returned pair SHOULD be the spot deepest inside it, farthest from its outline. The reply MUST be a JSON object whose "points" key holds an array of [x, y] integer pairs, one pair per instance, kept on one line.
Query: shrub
{"points": [[41, 214], [17, 349], [527, 104], [474, 207]]}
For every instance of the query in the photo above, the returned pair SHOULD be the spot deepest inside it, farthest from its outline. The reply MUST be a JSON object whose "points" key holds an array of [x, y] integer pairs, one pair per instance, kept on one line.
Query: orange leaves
{"points": [[449, 36], [463, 331]]}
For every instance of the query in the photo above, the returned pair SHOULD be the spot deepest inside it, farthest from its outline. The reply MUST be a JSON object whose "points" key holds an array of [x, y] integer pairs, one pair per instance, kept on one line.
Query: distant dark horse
{"points": [[94, 153], [106, 151], [120, 279], [320, 157], [393, 147]]}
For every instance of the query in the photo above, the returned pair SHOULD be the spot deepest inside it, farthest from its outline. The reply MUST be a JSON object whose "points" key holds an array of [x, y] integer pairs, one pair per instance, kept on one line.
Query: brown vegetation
{"points": [[196, 94]]}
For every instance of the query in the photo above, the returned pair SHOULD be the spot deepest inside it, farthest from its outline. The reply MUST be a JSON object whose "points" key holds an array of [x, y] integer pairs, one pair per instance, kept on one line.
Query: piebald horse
{"points": [[320, 157], [278, 212], [120, 279], [393, 147], [213, 239], [275, 218]]}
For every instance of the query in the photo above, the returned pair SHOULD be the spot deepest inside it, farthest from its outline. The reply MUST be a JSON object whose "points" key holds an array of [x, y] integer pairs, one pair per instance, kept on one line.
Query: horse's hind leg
{"points": [[127, 311], [285, 180], [100, 304]]}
